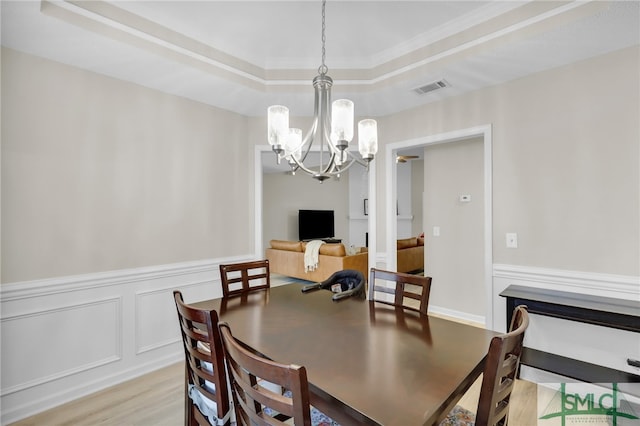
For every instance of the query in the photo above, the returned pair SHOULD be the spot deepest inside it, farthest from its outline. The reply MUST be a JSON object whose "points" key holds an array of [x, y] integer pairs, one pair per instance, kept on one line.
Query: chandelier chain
{"points": [[323, 68]]}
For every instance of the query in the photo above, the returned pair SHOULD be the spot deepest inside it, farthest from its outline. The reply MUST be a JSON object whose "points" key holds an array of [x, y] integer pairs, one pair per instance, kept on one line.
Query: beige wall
{"points": [[99, 174], [565, 162], [284, 195], [455, 259]]}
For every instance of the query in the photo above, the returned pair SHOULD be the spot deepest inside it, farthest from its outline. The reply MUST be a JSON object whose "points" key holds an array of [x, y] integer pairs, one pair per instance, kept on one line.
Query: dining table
{"points": [[367, 362]]}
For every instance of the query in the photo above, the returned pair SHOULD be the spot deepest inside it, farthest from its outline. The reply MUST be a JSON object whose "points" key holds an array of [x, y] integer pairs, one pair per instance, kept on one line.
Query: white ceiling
{"points": [[245, 55]]}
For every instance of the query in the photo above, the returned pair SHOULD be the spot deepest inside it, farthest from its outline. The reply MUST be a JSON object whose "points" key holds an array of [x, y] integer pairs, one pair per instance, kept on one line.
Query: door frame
{"points": [[484, 132]]}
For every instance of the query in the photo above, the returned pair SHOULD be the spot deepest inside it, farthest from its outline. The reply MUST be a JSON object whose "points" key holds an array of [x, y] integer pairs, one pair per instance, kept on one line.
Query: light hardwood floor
{"points": [[157, 399], [153, 399]]}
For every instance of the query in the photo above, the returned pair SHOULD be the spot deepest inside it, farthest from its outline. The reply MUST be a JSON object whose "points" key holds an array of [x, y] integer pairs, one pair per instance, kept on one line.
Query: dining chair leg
{"points": [[187, 400]]}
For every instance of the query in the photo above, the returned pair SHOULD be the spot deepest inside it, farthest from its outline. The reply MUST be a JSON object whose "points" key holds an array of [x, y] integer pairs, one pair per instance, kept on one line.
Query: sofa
{"points": [[410, 252], [287, 258]]}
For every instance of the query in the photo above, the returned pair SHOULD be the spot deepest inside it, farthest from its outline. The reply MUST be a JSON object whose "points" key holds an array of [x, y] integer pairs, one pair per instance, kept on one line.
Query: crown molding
{"points": [[496, 23]]}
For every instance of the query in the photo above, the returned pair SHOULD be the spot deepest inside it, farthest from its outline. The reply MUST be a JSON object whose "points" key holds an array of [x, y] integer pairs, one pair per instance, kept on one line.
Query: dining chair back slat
{"points": [[243, 277], [406, 286], [499, 376], [256, 404], [501, 367], [205, 376]]}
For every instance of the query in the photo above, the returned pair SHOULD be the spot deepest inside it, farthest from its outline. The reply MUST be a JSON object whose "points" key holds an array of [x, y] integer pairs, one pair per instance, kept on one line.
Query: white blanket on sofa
{"points": [[311, 255]]}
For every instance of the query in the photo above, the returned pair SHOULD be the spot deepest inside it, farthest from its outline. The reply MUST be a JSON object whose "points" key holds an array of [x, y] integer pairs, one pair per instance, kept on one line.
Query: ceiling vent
{"points": [[436, 85]]}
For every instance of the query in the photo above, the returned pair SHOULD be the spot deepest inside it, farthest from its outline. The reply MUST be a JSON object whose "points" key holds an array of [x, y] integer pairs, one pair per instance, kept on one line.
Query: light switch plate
{"points": [[512, 240]]}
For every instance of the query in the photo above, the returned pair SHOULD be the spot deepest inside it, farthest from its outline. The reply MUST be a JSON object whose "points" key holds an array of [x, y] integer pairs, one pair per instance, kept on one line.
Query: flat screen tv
{"points": [[315, 224]]}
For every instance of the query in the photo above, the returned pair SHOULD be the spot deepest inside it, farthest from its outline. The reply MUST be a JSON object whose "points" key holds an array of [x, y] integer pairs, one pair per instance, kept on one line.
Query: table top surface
{"points": [[371, 362]]}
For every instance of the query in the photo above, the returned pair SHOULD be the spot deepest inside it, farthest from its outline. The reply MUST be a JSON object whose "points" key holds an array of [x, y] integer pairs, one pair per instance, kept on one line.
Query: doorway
{"points": [[361, 186], [483, 135]]}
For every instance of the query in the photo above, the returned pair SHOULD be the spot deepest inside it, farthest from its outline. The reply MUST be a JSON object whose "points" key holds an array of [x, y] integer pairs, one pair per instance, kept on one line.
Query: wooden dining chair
{"points": [[499, 375], [407, 288], [243, 277], [207, 399], [255, 404]]}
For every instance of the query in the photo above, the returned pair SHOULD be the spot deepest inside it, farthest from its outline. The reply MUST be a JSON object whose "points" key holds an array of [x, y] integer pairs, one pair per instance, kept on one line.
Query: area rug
{"points": [[318, 418]]}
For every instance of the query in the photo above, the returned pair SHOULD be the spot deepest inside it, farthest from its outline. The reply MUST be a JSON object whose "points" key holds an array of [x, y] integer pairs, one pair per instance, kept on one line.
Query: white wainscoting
{"points": [[64, 338]]}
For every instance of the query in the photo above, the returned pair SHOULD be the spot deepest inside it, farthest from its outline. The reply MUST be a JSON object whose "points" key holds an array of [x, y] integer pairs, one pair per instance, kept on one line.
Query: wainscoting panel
{"points": [[67, 337], [154, 328], [51, 343]]}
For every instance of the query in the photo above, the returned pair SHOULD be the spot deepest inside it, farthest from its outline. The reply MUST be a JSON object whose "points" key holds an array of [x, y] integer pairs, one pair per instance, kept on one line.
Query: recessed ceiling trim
{"points": [[120, 25], [468, 46], [477, 42], [108, 20], [461, 24]]}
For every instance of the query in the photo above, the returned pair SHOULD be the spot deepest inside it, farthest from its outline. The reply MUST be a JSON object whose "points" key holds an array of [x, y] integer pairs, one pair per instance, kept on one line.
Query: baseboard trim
{"points": [[476, 320]]}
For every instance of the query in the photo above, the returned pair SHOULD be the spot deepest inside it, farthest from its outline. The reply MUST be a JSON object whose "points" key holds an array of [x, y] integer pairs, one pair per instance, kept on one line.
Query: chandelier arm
{"points": [[309, 138], [359, 161], [325, 132], [337, 171], [346, 166], [353, 156], [331, 170], [331, 164], [294, 163], [300, 165], [312, 135]]}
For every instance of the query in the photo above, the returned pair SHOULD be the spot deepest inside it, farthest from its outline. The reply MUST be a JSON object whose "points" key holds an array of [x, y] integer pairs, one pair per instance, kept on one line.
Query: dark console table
{"points": [[603, 311]]}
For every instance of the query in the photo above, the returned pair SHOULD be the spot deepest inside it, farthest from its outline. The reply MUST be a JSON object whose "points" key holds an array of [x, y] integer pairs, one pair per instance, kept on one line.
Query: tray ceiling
{"points": [[245, 55]]}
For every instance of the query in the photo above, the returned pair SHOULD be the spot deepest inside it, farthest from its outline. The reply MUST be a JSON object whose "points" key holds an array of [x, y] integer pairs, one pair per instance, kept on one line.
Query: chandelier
{"points": [[332, 129]]}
